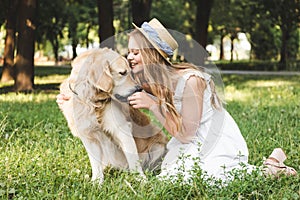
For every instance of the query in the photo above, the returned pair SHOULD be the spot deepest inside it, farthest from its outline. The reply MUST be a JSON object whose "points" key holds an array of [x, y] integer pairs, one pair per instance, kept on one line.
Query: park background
{"points": [[263, 34], [40, 159]]}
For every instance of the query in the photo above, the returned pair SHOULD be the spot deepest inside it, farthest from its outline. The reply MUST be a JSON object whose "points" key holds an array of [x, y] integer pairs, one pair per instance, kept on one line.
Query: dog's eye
{"points": [[123, 73]]}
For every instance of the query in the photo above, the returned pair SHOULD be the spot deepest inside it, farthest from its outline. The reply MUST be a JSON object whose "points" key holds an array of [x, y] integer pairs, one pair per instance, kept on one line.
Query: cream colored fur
{"points": [[104, 124]]}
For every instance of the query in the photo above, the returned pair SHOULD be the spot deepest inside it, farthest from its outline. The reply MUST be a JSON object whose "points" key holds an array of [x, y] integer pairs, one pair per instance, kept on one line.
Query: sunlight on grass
{"points": [[50, 79], [232, 93], [25, 98], [269, 83], [56, 78], [265, 92], [8, 83]]}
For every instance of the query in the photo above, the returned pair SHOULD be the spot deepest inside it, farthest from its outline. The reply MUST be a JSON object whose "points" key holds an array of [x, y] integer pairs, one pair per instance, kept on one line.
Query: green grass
{"points": [[40, 159]]}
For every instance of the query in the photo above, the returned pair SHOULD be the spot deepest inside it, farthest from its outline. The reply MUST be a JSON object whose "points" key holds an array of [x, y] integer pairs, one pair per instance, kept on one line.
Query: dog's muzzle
{"points": [[125, 98]]}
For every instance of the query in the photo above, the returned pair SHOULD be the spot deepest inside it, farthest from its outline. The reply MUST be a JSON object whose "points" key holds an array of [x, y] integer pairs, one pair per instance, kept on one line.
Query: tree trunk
{"points": [[8, 65], [106, 28], [232, 37], [202, 18], [221, 45], [140, 11], [74, 46], [54, 44], [73, 36], [283, 50], [24, 79], [87, 35]]}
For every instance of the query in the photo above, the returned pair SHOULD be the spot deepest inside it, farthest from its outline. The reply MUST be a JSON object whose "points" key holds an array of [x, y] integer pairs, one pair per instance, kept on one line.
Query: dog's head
{"points": [[104, 70]]}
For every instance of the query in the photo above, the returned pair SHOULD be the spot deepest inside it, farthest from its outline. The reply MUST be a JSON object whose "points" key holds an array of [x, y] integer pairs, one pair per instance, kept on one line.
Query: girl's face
{"points": [[134, 56]]}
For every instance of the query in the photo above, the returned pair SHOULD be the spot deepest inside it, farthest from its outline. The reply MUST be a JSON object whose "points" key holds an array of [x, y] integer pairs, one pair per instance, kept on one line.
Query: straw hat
{"points": [[162, 38]]}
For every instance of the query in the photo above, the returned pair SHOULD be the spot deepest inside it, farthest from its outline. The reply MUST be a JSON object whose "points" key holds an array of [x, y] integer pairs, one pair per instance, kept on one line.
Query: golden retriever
{"points": [[111, 131]]}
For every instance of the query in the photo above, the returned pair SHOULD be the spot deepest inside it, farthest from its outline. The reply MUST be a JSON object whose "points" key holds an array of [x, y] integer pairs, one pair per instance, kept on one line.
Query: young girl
{"points": [[183, 98], [203, 131]]}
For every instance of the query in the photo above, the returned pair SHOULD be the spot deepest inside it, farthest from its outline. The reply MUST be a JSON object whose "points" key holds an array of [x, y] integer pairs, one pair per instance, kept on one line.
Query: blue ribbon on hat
{"points": [[153, 35]]}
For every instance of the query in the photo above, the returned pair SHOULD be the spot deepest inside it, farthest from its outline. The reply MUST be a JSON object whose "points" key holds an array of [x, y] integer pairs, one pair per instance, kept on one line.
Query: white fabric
{"points": [[218, 146]]}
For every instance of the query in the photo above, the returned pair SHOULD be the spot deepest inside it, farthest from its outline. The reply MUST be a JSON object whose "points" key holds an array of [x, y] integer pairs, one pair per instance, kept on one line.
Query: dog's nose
{"points": [[138, 88]]}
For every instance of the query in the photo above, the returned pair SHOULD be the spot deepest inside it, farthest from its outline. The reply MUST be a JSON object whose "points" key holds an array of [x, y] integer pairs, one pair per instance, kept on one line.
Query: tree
{"points": [[24, 74], [164, 12], [181, 16], [140, 11], [81, 17], [106, 28], [284, 13], [230, 23], [51, 22], [202, 19], [4, 5], [8, 65], [73, 15], [88, 19], [221, 24]]}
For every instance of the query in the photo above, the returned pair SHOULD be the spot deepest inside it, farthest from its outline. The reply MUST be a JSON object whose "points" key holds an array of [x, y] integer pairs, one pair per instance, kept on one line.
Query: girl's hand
{"points": [[141, 100]]}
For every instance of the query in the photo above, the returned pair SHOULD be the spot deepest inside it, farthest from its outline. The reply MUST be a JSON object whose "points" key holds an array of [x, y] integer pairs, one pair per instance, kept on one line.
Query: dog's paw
{"points": [[97, 180], [141, 178]]}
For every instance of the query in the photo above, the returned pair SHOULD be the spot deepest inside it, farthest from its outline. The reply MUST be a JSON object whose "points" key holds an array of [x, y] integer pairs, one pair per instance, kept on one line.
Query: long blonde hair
{"points": [[154, 77]]}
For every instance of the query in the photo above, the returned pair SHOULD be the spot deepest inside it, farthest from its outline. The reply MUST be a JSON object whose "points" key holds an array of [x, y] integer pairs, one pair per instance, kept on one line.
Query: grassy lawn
{"points": [[40, 159]]}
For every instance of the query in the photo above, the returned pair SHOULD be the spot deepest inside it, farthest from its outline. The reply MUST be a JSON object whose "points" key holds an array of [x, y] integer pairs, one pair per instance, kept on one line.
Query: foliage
{"points": [[285, 14], [181, 20], [77, 18], [293, 52], [265, 40], [230, 12], [122, 16], [42, 160], [71, 22], [51, 21], [265, 22], [3, 8], [82, 17]]}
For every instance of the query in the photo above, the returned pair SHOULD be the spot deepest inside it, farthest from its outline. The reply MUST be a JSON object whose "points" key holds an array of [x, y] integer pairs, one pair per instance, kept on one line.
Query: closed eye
{"points": [[123, 73]]}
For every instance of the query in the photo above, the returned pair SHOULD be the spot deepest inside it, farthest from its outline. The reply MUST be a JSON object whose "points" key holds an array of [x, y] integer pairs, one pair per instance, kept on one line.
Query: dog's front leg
{"points": [[127, 144], [94, 153]]}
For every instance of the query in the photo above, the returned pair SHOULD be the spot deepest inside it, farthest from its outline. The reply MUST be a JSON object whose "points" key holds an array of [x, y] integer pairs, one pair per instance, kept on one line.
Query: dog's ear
{"points": [[102, 79]]}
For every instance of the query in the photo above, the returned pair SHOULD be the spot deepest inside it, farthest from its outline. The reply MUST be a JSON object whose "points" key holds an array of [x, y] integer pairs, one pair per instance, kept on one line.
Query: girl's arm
{"points": [[191, 109]]}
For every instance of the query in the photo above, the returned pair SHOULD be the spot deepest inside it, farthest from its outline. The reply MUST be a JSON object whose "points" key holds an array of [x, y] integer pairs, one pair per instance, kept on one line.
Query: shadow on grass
{"points": [[43, 71]]}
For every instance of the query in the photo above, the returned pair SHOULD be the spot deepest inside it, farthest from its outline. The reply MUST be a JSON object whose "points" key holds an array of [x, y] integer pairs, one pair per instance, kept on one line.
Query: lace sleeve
{"points": [[192, 105]]}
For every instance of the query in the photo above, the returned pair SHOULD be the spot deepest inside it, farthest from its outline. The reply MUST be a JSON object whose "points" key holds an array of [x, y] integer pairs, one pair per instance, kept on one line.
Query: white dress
{"points": [[218, 146]]}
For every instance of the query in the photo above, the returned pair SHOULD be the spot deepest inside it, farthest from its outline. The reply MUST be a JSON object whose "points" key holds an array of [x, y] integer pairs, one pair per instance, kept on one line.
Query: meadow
{"points": [[40, 159]]}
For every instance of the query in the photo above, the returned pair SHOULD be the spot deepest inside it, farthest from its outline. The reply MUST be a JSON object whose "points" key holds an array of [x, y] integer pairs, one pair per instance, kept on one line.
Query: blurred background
{"points": [[237, 34]]}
